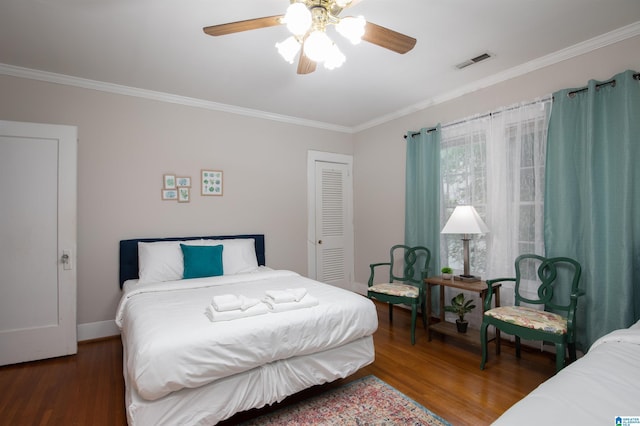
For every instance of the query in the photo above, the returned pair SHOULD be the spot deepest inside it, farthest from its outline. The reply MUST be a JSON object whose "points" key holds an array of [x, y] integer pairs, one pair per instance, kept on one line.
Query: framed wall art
{"points": [[184, 194], [169, 182], [170, 194], [183, 182], [211, 182]]}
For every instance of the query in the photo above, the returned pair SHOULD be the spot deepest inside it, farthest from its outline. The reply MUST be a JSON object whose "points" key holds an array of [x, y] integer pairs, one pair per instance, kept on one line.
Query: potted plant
{"points": [[447, 273], [460, 306]]}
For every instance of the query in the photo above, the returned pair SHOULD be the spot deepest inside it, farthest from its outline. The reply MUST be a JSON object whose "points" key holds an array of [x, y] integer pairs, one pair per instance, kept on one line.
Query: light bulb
{"points": [[352, 28], [343, 3], [335, 58], [297, 19], [288, 49], [317, 46]]}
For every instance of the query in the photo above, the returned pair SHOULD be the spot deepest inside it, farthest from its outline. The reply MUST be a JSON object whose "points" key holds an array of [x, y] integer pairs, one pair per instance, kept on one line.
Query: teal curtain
{"points": [[422, 198], [592, 198]]}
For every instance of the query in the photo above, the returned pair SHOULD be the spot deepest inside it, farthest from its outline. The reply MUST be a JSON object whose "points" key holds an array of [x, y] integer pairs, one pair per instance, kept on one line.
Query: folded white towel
{"points": [[226, 302], [285, 296], [232, 302], [306, 302], [214, 316], [248, 302]]}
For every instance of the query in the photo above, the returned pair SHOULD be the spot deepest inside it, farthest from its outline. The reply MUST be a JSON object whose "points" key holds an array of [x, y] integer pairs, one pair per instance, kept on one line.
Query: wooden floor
{"points": [[443, 375]]}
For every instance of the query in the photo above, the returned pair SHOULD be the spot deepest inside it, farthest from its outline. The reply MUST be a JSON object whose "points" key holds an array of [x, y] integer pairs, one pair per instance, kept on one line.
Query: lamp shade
{"points": [[465, 220]]}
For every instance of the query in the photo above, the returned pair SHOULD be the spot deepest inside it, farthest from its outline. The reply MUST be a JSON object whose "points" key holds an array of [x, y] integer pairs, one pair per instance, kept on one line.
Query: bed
{"points": [[599, 388], [183, 368]]}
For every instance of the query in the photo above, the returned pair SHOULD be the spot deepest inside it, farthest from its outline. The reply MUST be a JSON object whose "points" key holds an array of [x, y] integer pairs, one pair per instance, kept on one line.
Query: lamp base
{"points": [[466, 278]]}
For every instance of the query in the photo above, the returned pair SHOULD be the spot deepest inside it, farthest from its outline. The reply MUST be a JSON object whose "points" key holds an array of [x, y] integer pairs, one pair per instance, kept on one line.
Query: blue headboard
{"points": [[129, 252]]}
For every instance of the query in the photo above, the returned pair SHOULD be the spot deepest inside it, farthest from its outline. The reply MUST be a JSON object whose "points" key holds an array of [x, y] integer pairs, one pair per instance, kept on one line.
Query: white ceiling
{"points": [[159, 46]]}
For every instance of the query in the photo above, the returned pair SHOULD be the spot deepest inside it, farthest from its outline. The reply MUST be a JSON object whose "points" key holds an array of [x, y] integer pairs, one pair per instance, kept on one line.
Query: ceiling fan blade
{"points": [[305, 65], [389, 39], [249, 24]]}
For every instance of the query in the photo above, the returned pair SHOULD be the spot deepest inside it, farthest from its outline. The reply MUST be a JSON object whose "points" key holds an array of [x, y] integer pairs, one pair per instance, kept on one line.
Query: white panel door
{"points": [[38, 167], [333, 224]]}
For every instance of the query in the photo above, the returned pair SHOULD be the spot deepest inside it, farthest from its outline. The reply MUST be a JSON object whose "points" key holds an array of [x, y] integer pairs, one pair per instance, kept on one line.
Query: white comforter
{"points": [[171, 344], [594, 390]]}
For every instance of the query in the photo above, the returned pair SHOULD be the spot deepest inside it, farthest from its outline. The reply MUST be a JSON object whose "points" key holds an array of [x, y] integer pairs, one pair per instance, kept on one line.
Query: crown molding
{"points": [[581, 48], [615, 36], [84, 83]]}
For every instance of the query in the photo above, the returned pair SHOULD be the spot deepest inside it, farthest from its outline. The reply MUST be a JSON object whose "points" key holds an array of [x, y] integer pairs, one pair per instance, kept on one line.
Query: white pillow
{"points": [[163, 260], [160, 261], [238, 255]]}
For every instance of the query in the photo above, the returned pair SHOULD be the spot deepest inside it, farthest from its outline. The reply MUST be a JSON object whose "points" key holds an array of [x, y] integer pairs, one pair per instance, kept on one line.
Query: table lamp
{"points": [[465, 220]]}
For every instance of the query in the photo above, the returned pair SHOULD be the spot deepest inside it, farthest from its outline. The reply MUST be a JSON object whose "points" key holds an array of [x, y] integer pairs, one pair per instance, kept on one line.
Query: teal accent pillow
{"points": [[202, 261]]}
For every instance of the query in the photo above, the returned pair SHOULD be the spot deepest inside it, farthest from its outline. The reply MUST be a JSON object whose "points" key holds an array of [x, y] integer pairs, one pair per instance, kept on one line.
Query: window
{"points": [[496, 163]]}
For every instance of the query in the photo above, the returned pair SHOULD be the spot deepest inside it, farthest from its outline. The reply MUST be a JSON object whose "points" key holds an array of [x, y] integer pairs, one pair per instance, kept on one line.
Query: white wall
{"points": [[125, 146], [379, 153]]}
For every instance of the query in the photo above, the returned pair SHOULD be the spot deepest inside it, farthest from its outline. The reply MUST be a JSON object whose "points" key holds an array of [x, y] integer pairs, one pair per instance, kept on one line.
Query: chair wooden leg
{"points": [[572, 352], [560, 352], [424, 315], [517, 347], [390, 313], [414, 314], [483, 341]]}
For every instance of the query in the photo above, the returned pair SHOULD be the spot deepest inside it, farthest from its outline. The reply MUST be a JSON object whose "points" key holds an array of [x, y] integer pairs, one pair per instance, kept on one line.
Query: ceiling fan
{"points": [[307, 20]]}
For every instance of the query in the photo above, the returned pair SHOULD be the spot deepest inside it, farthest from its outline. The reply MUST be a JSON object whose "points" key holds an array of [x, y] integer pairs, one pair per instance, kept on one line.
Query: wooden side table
{"points": [[449, 329]]}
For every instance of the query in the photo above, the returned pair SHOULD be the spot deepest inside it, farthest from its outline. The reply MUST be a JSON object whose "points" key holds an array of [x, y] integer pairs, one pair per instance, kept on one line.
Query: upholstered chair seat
{"points": [[395, 289], [530, 318]]}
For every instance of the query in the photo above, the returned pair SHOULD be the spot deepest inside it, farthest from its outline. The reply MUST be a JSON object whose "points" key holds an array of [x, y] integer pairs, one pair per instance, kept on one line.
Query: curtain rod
{"points": [[488, 114], [611, 83], [636, 76]]}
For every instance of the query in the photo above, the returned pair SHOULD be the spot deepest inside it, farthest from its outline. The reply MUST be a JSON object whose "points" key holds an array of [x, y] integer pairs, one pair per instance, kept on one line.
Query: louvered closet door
{"points": [[333, 261]]}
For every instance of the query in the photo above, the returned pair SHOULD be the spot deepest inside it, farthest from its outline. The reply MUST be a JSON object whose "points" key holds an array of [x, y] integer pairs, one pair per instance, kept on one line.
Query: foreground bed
{"points": [[595, 390], [182, 368]]}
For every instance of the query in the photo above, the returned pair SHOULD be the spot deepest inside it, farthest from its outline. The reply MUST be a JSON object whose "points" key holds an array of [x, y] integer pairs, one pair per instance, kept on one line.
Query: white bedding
{"points": [[171, 344], [594, 390], [269, 383]]}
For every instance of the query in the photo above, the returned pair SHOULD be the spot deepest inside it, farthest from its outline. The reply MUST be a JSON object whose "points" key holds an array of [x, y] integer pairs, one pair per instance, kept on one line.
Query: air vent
{"points": [[472, 61]]}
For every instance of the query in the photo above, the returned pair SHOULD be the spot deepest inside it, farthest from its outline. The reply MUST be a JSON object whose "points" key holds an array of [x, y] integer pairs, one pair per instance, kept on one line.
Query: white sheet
{"points": [[173, 345], [594, 390], [217, 401]]}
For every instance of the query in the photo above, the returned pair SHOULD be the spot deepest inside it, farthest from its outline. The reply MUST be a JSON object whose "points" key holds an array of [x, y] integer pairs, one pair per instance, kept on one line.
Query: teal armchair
{"points": [[556, 323], [407, 288]]}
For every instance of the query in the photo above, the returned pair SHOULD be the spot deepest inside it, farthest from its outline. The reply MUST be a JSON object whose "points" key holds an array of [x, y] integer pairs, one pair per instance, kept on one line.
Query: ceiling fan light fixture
{"points": [[317, 46], [335, 59], [343, 3], [298, 19], [352, 28], [288, 48]]}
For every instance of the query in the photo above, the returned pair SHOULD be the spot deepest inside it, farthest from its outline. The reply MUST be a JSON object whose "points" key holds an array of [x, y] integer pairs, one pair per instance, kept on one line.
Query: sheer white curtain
{"points": [[496, 163], [515, 184]]}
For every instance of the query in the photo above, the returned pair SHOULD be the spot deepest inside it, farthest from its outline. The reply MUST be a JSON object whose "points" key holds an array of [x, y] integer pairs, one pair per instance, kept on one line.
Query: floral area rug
{"points": [[366, 401]]}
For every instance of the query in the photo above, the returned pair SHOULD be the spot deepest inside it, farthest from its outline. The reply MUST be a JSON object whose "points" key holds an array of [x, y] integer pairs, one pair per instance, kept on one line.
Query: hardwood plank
{"points": [[443, 375]]}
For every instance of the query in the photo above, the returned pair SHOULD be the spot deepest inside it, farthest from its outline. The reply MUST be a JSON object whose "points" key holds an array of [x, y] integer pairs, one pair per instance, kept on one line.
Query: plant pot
{"points": [[462, 326], [447, 276]]}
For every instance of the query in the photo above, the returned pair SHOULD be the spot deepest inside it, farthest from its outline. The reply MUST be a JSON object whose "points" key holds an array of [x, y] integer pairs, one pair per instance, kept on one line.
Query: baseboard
{"points": [[97, 330]]}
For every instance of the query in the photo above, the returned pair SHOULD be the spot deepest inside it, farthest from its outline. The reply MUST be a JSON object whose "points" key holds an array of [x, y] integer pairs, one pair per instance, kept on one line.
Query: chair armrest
{"points": [[425, 274], [579, 293], [372, 267], [490, 283]]}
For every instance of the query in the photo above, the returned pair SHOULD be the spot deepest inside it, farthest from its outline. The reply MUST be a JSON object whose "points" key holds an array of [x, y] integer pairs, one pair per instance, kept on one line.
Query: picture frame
{"points": [[211, 182], [183, 181], [169, 181], [184, 194], [169, 194]]}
